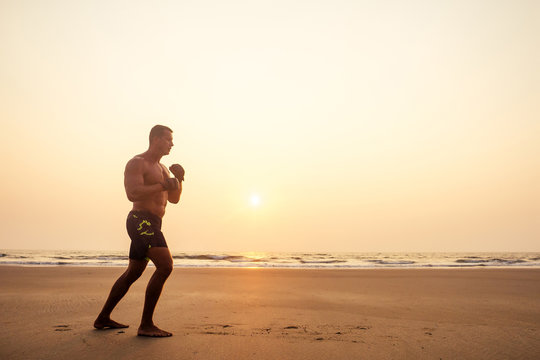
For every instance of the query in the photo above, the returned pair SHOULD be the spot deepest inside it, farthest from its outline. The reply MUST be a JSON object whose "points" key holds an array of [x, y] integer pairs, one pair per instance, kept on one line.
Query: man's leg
{"points": [[119, 289], [161, 257]]}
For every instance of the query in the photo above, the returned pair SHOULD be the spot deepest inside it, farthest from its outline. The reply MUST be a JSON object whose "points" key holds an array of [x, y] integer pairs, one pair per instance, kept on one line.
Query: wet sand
{"points": [[47, 313]]}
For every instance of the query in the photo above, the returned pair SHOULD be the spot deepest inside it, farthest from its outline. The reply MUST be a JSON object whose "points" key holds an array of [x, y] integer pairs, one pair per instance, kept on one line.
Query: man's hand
{"points": [[170, 184], [178, 171]]}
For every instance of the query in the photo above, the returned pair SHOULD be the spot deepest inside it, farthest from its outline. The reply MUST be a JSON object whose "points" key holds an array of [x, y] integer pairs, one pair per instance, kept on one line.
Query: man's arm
{"points": [[174, 195], [134, 181]]}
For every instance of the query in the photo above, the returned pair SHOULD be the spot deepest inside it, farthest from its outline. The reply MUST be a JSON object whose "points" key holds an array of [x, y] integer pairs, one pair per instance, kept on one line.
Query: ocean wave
{"points": [[322, 261], [468, 261], [509, 261], [280, 259], [51, 263], [386, 262], [99, 257], [490, 260], [230, 258]]}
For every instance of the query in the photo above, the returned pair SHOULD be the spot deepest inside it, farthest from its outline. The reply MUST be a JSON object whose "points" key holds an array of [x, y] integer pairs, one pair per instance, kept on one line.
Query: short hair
{"points": [[158, 131]]}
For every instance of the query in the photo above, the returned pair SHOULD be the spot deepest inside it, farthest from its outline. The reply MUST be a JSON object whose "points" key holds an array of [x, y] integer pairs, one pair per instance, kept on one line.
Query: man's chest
{"points": [[154, 174]]}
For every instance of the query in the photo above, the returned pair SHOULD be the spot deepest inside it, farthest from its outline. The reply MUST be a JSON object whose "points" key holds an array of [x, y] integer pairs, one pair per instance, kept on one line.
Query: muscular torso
{"points": [[152, 173]]}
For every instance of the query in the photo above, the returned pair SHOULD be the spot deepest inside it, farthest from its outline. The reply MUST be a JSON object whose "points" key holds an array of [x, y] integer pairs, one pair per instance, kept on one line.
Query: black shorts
{"points": [[144, 229]]}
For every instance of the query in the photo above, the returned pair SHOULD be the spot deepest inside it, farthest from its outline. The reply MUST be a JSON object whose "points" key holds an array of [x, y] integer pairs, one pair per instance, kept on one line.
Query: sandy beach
{"points": [[47, 313]]}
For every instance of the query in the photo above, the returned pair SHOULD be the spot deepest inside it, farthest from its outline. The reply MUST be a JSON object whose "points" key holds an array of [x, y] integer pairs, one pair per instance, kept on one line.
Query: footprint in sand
{"points": [[214, 329], [62, 328], [363, 327]]}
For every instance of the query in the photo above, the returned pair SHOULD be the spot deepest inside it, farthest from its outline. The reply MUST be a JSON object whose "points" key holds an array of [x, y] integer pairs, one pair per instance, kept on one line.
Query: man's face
{"points": [[165, 143]]}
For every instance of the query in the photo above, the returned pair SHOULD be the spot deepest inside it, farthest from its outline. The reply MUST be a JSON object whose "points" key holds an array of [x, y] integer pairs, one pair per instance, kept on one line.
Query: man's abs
{"points": [[155, 204]]}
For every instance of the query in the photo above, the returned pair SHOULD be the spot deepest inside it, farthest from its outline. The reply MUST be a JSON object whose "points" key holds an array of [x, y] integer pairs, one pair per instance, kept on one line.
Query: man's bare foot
{"points": [[153, 331], [101, 324]]}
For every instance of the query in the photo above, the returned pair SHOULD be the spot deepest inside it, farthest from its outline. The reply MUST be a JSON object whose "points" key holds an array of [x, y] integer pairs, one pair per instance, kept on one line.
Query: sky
{"points": [[321, 125]]}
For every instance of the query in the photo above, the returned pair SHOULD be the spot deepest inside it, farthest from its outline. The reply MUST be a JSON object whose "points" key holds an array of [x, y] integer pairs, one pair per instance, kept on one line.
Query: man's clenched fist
{"points": [[178, 171], [170, 184]]}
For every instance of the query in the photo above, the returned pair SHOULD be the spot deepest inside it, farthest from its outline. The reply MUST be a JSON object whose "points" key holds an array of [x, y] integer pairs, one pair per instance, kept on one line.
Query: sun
{"points": [[255, 200]]}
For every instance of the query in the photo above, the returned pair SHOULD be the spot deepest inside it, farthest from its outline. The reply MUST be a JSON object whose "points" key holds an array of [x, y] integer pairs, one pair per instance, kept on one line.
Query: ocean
{"points": [[299, 260]]}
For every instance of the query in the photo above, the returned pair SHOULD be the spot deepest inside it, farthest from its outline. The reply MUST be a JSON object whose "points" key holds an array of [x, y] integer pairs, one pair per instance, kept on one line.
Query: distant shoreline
{"points": [[293, 260]]}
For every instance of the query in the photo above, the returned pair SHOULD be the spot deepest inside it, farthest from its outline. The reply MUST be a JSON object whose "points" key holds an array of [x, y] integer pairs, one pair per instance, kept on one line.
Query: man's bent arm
{"points": [[174, 195], [136, 190]]}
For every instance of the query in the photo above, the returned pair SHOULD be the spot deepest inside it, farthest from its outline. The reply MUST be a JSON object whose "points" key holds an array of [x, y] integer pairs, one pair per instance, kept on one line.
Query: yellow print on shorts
{"points": [[145, 232]]}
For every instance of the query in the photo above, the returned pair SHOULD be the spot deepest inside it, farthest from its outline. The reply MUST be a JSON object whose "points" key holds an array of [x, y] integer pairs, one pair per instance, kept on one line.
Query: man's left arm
{"points": [[178, 172]]}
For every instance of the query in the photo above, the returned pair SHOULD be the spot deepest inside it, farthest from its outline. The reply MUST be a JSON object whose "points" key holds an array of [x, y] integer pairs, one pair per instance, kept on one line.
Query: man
{"points": [[149, 186]]}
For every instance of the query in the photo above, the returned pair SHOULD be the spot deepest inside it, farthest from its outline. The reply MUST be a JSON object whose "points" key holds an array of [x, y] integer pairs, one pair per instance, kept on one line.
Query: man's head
{"points": [[161, 139]]}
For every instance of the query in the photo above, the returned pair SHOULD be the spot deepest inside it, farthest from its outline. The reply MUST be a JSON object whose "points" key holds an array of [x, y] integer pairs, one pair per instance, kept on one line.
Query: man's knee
{"points": [[165, 269], [135, 270], [133, 274], [162, 259]]}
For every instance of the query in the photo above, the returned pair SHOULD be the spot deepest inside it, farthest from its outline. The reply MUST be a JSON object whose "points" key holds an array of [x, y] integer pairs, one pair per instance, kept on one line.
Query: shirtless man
{"points": [[149, 186]]}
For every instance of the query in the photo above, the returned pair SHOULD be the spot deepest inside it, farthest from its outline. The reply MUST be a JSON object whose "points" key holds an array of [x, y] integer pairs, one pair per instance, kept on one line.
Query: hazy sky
{"points": [[361, 125]]}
